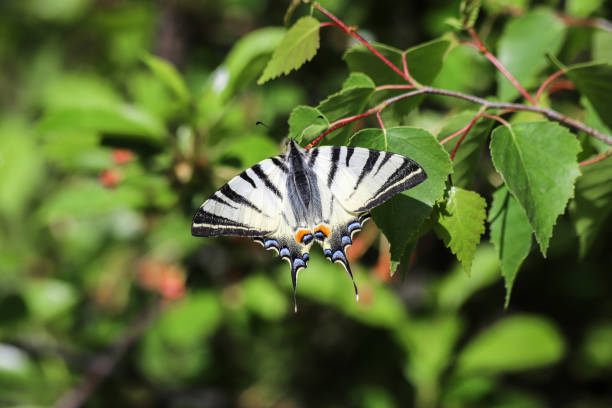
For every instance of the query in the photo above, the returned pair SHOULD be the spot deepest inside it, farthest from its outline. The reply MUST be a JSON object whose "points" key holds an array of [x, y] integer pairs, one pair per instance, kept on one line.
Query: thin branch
{"points": [[485, 104], [497, 118], [600, 23], [465, 132], [478, 44], [407, 72], [345, 121], [104, 364], [351, 31], [596, 159], [549, 113], [454, 135], [546, 83], [380, 121], [383, 87]]}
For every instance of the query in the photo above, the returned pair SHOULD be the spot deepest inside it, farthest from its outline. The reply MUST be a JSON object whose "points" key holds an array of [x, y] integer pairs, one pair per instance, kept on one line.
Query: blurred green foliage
{"points": [[119, 117]]}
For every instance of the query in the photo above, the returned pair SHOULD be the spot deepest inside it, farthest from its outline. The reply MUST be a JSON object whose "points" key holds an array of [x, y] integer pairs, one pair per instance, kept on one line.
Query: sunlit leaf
{"points": [[306, 123], [515, 343], [538, 163], [299, 45], [460, 223]]}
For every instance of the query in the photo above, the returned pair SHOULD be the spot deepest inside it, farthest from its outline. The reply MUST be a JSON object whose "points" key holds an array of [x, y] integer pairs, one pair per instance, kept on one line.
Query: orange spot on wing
{"points": [[324, 229], [300, 234]]}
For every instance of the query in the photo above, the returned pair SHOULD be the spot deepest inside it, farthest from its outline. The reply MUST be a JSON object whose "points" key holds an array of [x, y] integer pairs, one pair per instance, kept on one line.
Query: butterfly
{"points": [[323, 194]]}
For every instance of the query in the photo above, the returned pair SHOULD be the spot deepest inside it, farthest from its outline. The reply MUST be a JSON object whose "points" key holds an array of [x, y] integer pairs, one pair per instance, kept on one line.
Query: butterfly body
{"points": [[288, 202]]}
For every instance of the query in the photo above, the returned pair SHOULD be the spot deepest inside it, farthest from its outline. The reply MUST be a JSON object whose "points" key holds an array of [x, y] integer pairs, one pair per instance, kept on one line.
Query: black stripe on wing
{"points": [[263, 177], [373, 156], [206, 224], [335, 158], [227, 191], [408, 175]]}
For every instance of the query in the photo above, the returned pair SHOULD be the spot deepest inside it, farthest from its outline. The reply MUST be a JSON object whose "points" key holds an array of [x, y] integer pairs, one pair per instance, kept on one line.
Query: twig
{"points": [[546, 83], [380, 121], [465, 132], [478, 44], [384, 87], [104, 364], [497, 118], [596, 159], [353, 33], [485, 105]]}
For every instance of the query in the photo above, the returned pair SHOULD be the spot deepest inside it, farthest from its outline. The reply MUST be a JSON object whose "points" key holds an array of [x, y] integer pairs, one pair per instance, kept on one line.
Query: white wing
{"points": [[249, 205], [362, 179]]}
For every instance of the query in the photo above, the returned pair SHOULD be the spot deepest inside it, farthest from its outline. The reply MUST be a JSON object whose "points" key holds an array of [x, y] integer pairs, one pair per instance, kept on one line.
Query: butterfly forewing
{"points": [[248, 205]]}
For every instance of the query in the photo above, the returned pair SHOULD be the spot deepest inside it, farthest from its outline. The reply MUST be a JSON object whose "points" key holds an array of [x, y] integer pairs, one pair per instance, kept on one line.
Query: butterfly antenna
{"points": [[311, 122]]}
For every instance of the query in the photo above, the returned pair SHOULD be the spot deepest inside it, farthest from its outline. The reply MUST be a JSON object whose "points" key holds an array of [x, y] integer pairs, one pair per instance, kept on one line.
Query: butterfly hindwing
{"points": [[249, 205]]}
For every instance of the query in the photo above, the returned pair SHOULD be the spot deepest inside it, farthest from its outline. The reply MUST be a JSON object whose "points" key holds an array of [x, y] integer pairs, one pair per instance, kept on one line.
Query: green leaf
{"points": [[592, 205], [523, 47], [594, 80], [503, 6], [460, 223], [348, 102], [467, 158], [246, 60], [358, 80], [424, 62], [468, 9], [299, 45], [168, 74], [453, 75], [516, 343], [305, 124], [538, 163], [582, 8], [401, 216], [128, 122], [511, 235]]}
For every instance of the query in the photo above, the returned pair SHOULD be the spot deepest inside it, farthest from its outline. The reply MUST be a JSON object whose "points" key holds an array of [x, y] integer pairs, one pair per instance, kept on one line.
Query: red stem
{"points": [[465, 132], [362, 40], [454, 135], [546, 83], [596, 159], [380, 121], [497, 118], [483, 50], [383, 87]]}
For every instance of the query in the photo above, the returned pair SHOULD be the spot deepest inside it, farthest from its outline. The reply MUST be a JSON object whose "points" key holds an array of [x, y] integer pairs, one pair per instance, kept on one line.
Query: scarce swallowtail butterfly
{"points": [[323, 194]]}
